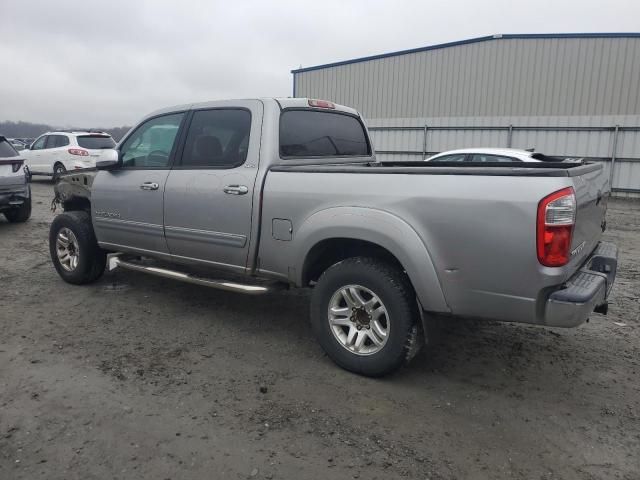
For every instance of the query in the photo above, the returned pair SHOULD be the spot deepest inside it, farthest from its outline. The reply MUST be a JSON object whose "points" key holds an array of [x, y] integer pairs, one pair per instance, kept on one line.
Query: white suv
{"points": [[56, 152]]}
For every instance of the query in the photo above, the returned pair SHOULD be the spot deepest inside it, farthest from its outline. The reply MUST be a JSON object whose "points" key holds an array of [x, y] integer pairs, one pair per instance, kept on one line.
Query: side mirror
{"points": [[108, 160]]}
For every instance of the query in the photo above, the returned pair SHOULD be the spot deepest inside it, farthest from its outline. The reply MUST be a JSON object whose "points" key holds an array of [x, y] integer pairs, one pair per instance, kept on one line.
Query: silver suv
{"points": [[15, 194]]}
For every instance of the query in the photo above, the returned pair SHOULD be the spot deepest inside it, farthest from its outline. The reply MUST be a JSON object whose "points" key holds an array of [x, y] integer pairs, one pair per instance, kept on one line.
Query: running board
{"points": [[114, 261]]}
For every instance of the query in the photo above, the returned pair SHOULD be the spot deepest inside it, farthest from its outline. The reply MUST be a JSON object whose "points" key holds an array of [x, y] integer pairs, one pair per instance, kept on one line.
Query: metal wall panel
{"points": [[554, 142], [580, 80], [500, 77]]}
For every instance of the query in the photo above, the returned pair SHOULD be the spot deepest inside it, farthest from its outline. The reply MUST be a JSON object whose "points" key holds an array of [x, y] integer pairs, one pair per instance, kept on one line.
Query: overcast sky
{"points": [[107, 63]]}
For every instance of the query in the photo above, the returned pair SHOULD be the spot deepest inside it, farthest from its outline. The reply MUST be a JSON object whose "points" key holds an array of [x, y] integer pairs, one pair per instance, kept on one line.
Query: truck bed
{"points": [[533, 169], [477, 223]]}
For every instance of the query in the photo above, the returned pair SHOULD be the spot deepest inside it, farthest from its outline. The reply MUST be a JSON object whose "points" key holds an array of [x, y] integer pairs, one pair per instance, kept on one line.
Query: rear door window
{"points": [[310, 133], [482, 158], [458, 157], [95, 142], [57, 141], [217, 139]]}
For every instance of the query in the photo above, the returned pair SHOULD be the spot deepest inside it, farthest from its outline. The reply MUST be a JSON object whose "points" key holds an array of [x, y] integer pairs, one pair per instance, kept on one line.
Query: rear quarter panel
{"points": [[479, 232]]}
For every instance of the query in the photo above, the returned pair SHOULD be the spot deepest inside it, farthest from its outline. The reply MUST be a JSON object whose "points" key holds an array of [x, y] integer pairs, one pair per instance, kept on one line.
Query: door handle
{"points": [[236, 189], [149, 186]]}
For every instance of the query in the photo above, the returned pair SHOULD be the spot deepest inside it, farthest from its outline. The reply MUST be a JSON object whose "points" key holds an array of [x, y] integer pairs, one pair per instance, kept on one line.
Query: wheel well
{"points": [[76, 204], [331, 251]]}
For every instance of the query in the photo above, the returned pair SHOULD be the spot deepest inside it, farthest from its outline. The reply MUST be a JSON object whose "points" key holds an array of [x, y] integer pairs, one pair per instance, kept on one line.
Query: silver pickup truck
{"points": [[252, 195]]}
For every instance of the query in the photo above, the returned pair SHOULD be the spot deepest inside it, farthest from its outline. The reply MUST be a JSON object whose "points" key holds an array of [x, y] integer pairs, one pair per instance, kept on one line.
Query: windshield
{"points": [[96, 142]]}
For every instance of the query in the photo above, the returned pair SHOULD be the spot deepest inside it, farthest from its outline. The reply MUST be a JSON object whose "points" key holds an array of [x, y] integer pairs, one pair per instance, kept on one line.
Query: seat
{"points": [[206, 152]]}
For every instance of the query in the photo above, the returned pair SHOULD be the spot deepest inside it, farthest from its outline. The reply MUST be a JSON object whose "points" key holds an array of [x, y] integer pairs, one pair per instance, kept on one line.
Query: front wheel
{"points": [[74, 250], [365, 316]]}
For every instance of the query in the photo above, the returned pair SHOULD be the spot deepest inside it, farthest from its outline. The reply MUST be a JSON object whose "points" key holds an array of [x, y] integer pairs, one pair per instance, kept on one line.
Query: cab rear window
{"points": [[7, 150], [96, 142], [310, 133]]}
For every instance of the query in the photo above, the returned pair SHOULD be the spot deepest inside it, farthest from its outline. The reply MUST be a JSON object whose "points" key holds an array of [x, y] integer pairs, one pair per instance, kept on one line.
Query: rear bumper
{"points": [[12, 196], [586, 290]]}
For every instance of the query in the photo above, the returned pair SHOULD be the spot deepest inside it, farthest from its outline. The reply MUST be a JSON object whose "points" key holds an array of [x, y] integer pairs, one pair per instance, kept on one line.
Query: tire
{"points": [[58, 169], [20, 214], [88, 259], [396, 297]]}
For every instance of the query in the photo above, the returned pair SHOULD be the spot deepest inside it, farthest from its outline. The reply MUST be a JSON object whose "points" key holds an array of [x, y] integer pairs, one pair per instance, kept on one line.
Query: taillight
{"points": [[78, 151], [321, 104], [16, 166], [556, 218]]}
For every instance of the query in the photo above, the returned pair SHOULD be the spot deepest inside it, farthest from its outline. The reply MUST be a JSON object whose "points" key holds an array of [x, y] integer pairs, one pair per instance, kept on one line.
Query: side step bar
{"points": [[114, 261]]}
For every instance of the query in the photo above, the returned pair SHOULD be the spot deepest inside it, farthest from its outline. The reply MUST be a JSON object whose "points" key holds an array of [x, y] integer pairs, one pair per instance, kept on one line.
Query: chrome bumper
{"points": [[586, 290]]}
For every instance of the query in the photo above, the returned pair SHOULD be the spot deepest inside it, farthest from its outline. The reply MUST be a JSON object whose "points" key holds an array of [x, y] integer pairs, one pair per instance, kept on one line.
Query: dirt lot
{"points": [[137, 377]]}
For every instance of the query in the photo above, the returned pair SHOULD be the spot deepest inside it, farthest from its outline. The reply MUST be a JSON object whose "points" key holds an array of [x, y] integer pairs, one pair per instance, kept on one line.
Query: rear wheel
{"points": [[58, 169], [74, 250], [365, 316], [20, 214]]}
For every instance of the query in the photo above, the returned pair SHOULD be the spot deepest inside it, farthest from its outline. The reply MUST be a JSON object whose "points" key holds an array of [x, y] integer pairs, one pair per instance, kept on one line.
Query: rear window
{"points": [[96, 142], [309, 133], [545, 158], [7, 150]]}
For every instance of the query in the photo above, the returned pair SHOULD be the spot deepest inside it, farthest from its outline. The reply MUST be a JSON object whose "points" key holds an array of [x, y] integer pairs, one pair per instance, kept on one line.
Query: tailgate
{"points": [[94, 154], [592, 193], [7, 174]]}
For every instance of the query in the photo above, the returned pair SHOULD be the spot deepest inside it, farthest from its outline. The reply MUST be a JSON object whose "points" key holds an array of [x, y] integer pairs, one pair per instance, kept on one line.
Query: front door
{"points": [[209, 192], [34, 156], [127, 202]]}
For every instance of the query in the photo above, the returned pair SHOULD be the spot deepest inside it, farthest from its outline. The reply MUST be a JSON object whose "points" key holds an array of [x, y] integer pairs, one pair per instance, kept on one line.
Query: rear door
{"points": [[209, 192], [128, 202], [56, 152]]}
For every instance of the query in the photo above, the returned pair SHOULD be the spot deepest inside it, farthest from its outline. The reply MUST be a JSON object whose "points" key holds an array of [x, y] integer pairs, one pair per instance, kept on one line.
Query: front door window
{"points": [[151, 145]]}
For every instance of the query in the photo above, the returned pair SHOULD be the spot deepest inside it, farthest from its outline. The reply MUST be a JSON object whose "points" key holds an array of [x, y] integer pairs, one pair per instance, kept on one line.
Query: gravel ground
{"points": [[138, 377]]}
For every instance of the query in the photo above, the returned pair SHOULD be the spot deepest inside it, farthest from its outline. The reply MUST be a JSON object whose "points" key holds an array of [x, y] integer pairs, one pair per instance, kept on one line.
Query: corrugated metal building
{"points": [[564, 94]]}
